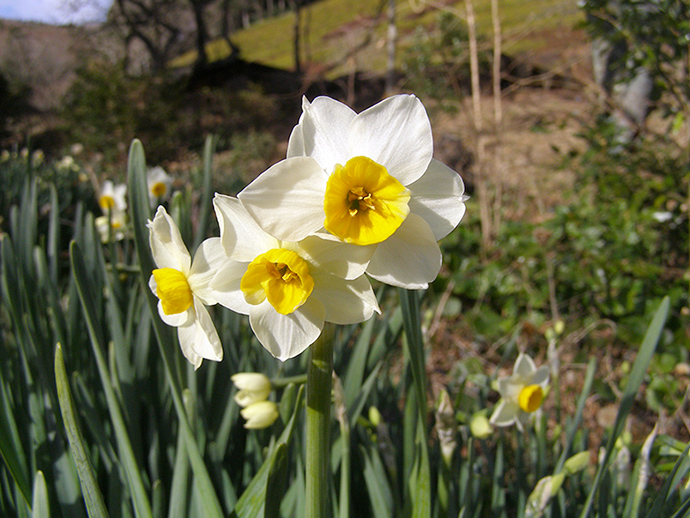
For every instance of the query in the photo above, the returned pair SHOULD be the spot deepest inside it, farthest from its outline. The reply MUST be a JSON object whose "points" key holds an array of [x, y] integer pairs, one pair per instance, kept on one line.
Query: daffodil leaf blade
{"points": [[85, 290], [206, 202], [40, 507], [637, 374], [276, 482], [87, 478], [380, 494]]}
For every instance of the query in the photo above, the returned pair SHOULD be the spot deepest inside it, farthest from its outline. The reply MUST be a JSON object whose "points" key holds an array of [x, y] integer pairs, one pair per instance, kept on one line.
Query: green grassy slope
{"points": [[342, 35]]}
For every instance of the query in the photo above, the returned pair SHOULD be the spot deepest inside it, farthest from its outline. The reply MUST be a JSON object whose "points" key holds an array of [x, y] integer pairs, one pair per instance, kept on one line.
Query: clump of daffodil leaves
{"points": [[359, 196]]}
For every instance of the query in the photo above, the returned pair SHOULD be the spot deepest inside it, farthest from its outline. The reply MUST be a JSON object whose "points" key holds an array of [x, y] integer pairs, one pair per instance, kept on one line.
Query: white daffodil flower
{"points": [[182, 286], [369, 179], [112, 227], [112, 198], [261, 414], [522, 393], [252, 387], [288, 289], [159, 183]]}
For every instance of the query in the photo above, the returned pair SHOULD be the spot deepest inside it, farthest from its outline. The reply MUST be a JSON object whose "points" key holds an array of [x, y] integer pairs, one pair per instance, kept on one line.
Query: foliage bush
{"points": [[106, 107]]}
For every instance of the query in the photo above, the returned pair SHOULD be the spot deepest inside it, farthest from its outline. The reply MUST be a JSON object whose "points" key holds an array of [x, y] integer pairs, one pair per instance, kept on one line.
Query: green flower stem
{"points": [[319, 381], [299, 379]]}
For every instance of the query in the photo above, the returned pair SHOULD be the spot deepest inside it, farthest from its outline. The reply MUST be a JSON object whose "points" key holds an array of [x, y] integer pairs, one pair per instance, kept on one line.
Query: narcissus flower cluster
{"points": [[359, 196]]}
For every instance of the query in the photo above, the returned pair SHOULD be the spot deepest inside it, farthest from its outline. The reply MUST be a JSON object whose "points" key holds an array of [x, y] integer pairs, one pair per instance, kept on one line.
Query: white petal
{"points": [[396, 133], [169, 251], [540, 377], [240, 234], [200, 338], [329, 254], [438, 197], [524, 366], [505, 414], [522, 420], [208, 259], [286, 336], [296, 141], [185, 335], [225, 287], [346, 302], [510, 388], [178, 319], [325, 124], [119, 195], [287, 199], [410, 258]]}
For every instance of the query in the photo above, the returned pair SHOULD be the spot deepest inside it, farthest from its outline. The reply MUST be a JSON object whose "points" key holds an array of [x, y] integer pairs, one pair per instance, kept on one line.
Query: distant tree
{"points": [[158, 25], [639, 44], [198, 7]]}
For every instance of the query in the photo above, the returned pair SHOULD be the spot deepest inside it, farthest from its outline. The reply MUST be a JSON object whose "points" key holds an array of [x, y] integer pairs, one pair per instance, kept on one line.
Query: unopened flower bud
{"points": [[260, 415], [480, 425], [576, 463], [253, 387], [375, 416]]}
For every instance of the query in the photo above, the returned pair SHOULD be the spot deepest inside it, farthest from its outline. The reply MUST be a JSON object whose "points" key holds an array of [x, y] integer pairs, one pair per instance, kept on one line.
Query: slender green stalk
{"points": [[319, 381], [299, 379]]}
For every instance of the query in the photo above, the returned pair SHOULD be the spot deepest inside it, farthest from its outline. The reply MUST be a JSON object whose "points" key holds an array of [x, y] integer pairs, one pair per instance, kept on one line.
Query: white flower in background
{"points": [[112, 227], [112, 197], [182, 286], [288, 289], [38, 157], [370, 180], [260, 415], [522, 393], [67, 163], [252, 387], [159, 183]]}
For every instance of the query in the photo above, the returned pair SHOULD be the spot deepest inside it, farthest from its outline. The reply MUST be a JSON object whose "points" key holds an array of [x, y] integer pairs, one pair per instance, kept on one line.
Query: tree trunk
{"points": [[201, 33]]}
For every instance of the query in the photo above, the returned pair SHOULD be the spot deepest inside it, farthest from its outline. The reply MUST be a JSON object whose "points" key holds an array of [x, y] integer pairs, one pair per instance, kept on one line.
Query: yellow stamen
{"points": [[106, 202], [159, 189], [281, 276], [173, 290], [530, 398], [363, 203]]}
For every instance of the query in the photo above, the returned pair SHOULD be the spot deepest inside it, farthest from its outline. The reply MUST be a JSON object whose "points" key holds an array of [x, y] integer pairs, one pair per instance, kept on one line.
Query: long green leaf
{"points": [[276, 482], [205, 205], [140, 212], [40, 507], [11, 447], [89, 485], [577, 418], [380, 494], [666, 498], [637, 375], [421, 481], [85, 289]]}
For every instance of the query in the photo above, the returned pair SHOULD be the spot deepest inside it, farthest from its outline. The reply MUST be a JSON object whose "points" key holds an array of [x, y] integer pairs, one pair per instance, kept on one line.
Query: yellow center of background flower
{"points": [[106, 202], [173, 290], [281, 276], [158, 189], [530, 398], [364, 205]]}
